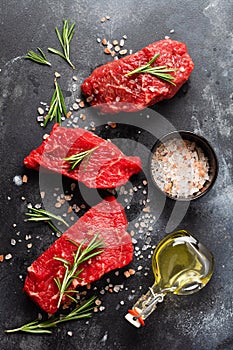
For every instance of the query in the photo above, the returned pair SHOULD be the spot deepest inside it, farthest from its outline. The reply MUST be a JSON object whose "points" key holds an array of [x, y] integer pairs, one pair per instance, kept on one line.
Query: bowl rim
{"points": [[181, 134]]}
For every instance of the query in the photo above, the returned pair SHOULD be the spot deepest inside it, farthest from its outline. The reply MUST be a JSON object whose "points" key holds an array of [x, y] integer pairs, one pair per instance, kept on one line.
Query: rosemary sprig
{"points": [[57, 106], [76, 159], [71, 269], [161, 72], [38, 327], [64, 38], [43, 215], [42, 59]]}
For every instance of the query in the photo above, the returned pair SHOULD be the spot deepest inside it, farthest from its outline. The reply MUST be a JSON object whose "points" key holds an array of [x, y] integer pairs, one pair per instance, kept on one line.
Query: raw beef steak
{"points": [[112, 91], [105, 167], [109, 221]]}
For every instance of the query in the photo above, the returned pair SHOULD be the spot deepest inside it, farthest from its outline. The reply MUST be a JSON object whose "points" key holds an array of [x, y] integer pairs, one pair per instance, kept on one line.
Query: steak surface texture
{"points": [[108, 220], [105, 167], [109, 88]]}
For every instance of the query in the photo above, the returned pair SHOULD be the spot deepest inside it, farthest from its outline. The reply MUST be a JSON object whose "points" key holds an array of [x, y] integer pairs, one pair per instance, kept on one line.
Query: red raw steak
{"points": [[109, 221], [106, 167], [112, 91]]}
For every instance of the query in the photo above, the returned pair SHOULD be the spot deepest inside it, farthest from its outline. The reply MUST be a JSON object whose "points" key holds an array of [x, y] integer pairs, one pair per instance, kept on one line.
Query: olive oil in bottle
{"points": [[181, 265]]}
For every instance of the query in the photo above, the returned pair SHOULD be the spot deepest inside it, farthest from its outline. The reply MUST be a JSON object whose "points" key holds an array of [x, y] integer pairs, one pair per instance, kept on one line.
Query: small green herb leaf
{"points": [[161, 72], [71, 269], [57, 106], [64, 38], [76, 159], [40, 327], [33, 56], [37, 215]]}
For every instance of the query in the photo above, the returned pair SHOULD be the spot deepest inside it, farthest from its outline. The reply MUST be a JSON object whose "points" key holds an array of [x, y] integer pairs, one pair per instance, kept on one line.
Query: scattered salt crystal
{"points": [[13, 241], [69, 333], [57, 75], [18, 180], [45, 136], [116, 288], [127, 274], [40, 110], [40, 119], [122, 302], [75, 106], [123, 52], [8, 256]]}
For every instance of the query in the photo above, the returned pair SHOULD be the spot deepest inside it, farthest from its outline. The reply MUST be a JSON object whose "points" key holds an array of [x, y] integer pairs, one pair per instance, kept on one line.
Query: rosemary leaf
{"points": [[38, 215], [76, 159], [40, 327], [64, 38], [71, 269], [57, 106], [33, 56], [161, 72]]}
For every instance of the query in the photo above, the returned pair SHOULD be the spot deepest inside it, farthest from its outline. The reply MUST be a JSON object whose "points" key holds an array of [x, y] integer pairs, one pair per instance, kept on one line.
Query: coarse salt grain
{"points": [[13, 241], [18, 181], [8, 256], [40, 110]]}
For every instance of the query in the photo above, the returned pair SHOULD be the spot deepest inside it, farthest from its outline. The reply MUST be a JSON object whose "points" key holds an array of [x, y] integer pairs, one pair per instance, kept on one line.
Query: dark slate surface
{"points": [[202, 321]]}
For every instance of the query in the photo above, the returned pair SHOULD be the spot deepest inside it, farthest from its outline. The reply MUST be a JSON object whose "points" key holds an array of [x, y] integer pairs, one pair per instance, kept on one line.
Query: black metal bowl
{"points": [[207, 150]]}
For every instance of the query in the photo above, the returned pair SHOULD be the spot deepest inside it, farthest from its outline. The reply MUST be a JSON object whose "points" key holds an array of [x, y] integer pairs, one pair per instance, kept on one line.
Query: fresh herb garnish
{"points": [[161, 72], [82, 311], [42, 59], [65, 38], [57, 106], [71, 269], [43, 215], [76, 159]]}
